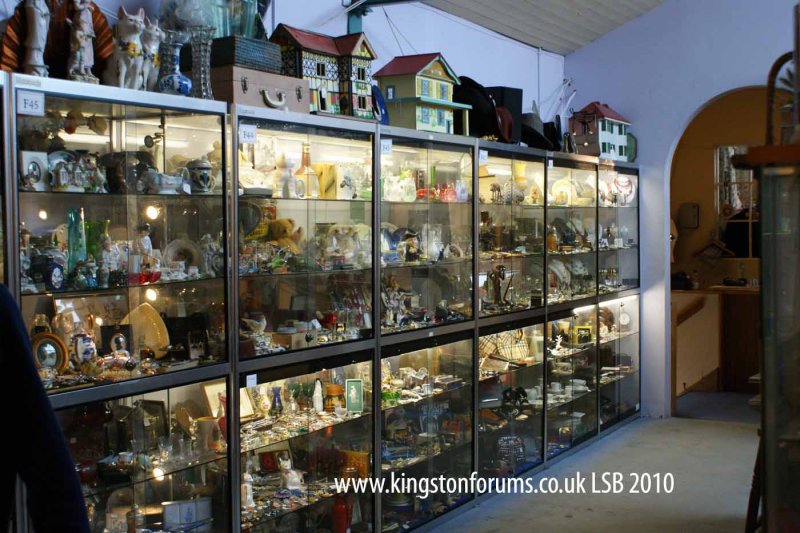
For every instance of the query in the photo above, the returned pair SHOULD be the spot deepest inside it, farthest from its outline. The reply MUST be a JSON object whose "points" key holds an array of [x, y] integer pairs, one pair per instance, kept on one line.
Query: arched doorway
{"points": [[715, 340]]}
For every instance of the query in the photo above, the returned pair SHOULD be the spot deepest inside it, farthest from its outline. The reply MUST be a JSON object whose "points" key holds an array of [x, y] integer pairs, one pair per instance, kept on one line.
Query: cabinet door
{"points": [[618, 230], [122, 227], [426, 236], [305, 238]]}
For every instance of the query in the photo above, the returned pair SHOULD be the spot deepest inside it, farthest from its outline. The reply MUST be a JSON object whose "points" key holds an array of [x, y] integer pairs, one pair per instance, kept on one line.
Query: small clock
{"points": [[624, 319]]}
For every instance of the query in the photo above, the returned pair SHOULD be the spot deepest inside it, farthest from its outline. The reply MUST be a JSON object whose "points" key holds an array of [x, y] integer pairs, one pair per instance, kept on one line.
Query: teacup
{"points": [[194, 272], [555, 386]]}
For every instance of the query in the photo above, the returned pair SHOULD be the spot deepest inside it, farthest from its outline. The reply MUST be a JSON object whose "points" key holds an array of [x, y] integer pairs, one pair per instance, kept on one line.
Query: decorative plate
{"points": [[146, 323], [49, 351], [183, 250], [561, 192]]}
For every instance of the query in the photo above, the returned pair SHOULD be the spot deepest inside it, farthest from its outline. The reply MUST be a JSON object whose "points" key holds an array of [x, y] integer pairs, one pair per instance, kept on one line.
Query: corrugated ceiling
{"points": [[560, 26]]}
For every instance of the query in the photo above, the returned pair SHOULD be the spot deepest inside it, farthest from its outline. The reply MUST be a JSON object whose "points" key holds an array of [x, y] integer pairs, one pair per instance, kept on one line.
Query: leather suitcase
{"points": [[238, 85]]}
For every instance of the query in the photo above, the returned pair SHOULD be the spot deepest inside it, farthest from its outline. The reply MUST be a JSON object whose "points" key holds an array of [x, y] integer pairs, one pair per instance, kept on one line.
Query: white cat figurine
{"points": [[290, 478], [125, 68], [151, 39]]}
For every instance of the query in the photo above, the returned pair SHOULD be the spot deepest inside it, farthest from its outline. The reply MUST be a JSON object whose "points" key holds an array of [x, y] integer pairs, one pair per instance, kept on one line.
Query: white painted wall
{"points": [[658, 71]]}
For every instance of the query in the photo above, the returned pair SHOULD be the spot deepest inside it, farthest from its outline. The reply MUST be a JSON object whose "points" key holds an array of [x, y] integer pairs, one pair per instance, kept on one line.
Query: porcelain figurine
{"points": [[288, 184], [291, 478], [81, 59], [212, 256], [143, 246], [247, 491], [125, 67], [38, 17], [151, 40]]}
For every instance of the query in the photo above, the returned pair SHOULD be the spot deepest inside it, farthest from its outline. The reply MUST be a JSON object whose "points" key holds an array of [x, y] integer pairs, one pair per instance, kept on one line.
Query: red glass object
{"points": [[340, 520]]}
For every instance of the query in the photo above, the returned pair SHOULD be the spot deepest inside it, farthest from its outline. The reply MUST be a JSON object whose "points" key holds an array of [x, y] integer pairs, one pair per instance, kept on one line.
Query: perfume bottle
{"points": [[552, 239]]}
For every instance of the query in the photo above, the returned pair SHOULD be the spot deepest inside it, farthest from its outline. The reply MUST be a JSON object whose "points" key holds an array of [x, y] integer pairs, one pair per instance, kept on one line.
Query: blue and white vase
{"points": [[170, 79]]}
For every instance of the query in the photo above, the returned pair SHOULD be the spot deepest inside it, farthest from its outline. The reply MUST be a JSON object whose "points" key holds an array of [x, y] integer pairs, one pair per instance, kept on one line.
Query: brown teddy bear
{"points": [[282, 232]]}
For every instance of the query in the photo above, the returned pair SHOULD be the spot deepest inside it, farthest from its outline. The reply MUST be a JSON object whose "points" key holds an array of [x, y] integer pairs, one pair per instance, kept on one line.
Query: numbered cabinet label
{"points": [[483, 156], [251, 380], [247, 134], [386, 146], [30, 103]]}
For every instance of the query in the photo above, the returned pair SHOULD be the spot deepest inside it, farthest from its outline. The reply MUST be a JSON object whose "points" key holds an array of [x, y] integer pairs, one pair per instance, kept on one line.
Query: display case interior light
{"points": [[151, 295], [579, 310], [43, 214]]}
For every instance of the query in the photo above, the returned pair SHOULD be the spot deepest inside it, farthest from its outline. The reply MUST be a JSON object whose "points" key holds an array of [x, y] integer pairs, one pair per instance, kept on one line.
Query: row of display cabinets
{"points": [[500, 404], [481, 285], [138, 243]]}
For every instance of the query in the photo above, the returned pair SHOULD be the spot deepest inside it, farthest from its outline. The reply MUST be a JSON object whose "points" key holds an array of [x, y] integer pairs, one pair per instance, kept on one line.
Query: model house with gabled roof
{"points": [[419, 92], [338, 69], [601, 131]]}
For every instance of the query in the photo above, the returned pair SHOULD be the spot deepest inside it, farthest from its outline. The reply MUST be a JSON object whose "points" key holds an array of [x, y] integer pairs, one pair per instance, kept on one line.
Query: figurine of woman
{"points": [[81, 59], [38, 16]]}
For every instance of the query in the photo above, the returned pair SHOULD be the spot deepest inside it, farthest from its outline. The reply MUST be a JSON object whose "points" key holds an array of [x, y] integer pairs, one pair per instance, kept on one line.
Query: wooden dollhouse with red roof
{"points": [[601, 131], [419, 93], [338, 69]]}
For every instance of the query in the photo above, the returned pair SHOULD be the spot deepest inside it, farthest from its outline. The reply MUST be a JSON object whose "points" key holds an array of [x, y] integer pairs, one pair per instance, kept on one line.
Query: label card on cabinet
{"points": [[549, 163], [386, 146], [247, 134], [30, 103], [251, 380], [483, 156]]}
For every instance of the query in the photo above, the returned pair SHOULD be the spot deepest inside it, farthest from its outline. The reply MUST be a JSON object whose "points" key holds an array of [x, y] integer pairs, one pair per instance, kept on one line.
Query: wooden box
{"points": [[238, 85], [295, 341]]}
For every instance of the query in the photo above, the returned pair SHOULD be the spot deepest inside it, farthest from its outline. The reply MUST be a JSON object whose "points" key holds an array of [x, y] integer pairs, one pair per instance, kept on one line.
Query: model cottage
{"points": [[338, 69], [601, 131], [419, 92]]}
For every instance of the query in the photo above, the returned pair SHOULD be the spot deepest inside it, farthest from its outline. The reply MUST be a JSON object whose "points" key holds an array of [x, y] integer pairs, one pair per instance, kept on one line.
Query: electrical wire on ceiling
{"points": [[393, 27]]}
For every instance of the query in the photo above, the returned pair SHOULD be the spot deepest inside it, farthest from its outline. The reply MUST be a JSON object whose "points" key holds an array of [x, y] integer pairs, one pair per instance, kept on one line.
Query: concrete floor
{"points": [[722, 406], [712, 463]]}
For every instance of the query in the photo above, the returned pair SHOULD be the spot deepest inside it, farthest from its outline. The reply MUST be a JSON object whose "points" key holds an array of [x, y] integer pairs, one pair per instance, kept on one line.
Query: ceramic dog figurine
{"points": [[151, 39], [125, 68]]}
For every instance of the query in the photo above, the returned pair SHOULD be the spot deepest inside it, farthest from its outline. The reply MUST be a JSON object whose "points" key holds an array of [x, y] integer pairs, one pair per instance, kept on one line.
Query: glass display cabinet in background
{"points": [[571, 379], [426, 234], [155, 461], [4, 171], [618, 229], [618, 360], [426, 426], [511, 400], [122, 236], [305, 213], [303, 426], [511, 234], [571, 240]]}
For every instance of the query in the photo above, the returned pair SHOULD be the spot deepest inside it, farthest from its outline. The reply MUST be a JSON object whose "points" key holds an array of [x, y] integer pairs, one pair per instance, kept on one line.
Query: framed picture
{"points": [[213, 391], [354, 395], [583, 334]]}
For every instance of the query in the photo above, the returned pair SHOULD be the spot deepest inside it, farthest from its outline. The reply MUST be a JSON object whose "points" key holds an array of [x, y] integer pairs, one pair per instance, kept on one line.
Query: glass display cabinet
{"points": [[618, 360], [305, 217], [122, 236], [571, 240], [156, 461], [571, 379], [511, 234], [425, 234], [426, 427], [303, 426], [511, 401], [618, 229]]}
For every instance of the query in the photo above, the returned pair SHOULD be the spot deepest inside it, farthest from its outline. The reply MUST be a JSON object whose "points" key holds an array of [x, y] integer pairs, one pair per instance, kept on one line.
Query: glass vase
{"points": [[201, 61], [170, 79]]}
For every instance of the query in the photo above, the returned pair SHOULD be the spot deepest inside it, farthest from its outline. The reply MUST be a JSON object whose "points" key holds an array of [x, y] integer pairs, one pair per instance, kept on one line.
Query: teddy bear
{"points": [[283, 233]]}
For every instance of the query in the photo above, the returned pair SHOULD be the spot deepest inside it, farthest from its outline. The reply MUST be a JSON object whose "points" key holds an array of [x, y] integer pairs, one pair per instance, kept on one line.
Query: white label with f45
{"points": [[30, 103]]}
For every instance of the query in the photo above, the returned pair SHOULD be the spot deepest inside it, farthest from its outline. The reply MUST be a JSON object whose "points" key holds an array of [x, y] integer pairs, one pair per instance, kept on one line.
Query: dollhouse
{"points": [[338, 69], [419, 92], [601, 131]]}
